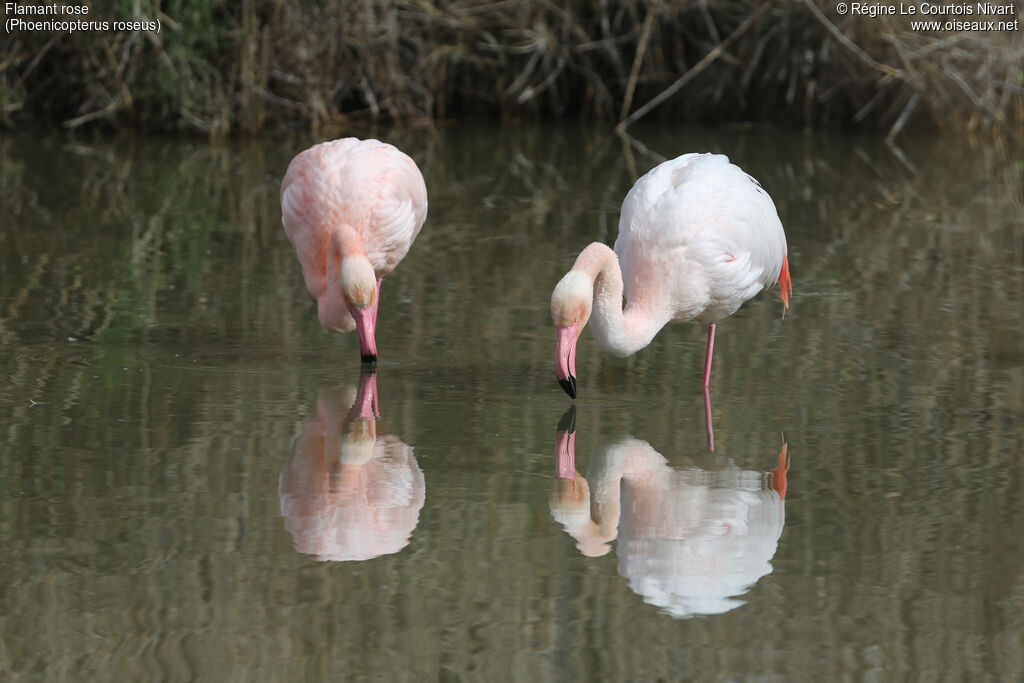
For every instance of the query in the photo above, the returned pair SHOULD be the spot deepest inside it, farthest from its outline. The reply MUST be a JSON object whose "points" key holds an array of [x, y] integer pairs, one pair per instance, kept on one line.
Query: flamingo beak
{"points": [[565, 446], [365, 406], [566, 358], [365, 324]]}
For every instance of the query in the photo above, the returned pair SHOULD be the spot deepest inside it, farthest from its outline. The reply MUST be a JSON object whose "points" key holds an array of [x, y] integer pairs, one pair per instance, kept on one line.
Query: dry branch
{"points": [[263, 65], [694, 71]]}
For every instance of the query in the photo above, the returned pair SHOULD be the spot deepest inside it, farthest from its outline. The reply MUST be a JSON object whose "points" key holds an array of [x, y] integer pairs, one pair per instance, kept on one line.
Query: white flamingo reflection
{"points": [[348, 493], [689, 540]]}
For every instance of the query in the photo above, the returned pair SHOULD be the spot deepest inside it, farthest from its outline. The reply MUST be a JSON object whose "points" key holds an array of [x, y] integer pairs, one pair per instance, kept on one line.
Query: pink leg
{"points": [[707, 420], [707, 359]]}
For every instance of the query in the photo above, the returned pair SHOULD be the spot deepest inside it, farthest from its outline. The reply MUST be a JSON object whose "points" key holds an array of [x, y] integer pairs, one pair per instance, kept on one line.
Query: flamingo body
{"points": [[697, 238], [351, 208]]}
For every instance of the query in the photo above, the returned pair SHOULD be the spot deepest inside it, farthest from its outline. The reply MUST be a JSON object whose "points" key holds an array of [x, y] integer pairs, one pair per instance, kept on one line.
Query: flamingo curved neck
{"points": [[356, 270], [347, 242], [620, 332], [357, 280]]}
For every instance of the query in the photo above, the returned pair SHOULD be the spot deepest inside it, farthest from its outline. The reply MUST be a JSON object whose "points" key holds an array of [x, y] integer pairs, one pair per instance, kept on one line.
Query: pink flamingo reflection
{"points": [[348, 493], [689, 540]]}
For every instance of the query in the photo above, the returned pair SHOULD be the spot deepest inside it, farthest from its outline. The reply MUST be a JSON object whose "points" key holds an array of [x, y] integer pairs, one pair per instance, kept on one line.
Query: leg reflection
{"points": [[707, 420]]}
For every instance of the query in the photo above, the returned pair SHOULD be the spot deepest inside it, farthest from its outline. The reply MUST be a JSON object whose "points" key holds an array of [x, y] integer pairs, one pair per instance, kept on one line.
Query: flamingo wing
{"points": [[710, 231], [399, 205], [365, 186]]}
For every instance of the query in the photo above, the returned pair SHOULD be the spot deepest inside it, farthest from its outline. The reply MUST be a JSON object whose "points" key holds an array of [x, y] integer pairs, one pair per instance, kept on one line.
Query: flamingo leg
{"points": [[707, 358], [707, 420]]}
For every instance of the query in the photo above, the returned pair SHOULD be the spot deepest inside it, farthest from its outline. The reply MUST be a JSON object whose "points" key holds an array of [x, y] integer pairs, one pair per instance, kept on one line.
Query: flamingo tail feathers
{"points": [[785, 284]]}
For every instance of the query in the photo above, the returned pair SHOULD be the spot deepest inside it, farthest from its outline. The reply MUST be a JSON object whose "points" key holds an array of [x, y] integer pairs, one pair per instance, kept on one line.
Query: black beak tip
{"points": [[568, 422], [370, 359], [569, 386]]}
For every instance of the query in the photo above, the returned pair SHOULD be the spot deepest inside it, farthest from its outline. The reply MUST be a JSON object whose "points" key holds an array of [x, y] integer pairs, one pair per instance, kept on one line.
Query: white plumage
{"points": [[697, 238], [706, 231]]}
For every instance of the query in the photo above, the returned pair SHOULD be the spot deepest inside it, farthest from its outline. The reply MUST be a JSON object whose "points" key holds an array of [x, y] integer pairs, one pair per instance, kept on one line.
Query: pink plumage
{"points": [[351, 208]]}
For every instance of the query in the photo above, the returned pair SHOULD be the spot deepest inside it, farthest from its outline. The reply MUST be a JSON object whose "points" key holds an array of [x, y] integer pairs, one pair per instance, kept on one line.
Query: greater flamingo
{"points": [[351, 208], [697, 238]]}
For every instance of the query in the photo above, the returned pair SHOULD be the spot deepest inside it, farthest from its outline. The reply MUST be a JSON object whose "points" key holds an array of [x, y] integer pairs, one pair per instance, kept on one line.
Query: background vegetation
{"points": [[256, 65]]}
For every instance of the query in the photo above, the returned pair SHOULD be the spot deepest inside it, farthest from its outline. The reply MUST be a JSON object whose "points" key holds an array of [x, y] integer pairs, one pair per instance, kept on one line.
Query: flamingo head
{"points": [[571, 303], [359, 287]]}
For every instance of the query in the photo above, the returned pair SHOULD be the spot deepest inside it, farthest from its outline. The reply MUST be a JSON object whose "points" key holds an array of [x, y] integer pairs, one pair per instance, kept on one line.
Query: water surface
{"points": [[193, 487]]}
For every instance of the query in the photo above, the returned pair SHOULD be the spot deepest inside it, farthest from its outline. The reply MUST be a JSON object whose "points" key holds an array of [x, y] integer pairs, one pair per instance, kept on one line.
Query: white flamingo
{"points": [[697, 238]]}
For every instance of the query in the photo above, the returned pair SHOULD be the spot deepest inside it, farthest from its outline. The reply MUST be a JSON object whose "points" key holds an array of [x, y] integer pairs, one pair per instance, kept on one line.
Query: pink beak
{"points": [[565, 446], [566, 358], [365, 407], [365, 323]]}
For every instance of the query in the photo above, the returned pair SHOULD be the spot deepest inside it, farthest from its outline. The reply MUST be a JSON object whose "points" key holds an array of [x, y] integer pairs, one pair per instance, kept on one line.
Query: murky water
{"points": [[192, 487]]}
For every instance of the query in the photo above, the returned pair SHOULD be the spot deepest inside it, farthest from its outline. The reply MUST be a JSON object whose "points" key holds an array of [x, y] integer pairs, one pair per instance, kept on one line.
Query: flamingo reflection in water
{"points": [[347, 492], [689, 540]]}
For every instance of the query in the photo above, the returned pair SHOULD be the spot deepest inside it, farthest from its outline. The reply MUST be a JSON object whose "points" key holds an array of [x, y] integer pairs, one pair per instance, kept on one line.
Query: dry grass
{"points": [[267, 64]]}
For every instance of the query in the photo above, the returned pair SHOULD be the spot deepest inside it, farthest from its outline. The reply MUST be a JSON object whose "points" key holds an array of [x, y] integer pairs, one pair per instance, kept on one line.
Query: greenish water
{"points": [[177, 450]]}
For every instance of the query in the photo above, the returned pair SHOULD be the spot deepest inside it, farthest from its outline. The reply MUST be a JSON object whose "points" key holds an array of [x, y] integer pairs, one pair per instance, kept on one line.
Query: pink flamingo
{"points": [[351, 208], [697, 238]]}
